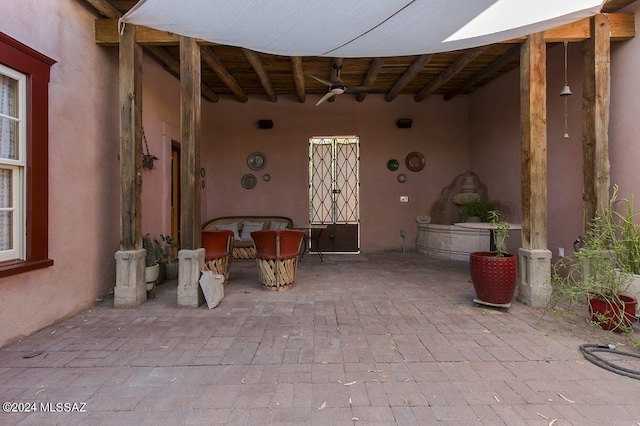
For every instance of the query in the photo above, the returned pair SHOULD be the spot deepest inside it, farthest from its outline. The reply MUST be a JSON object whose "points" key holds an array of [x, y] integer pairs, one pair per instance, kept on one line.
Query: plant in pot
{"points": [[476, 211], [153, 253], [169, 260], [602, 269], [494, 273]]}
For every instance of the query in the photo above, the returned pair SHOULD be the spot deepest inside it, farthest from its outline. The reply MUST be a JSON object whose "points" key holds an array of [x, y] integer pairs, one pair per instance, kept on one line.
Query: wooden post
{"points": [[130, 140], [596, 99], [190, 105], [533, 122]]}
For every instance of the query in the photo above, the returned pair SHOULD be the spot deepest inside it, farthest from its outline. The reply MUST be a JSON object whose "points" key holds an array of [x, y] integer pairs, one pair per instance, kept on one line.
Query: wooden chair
{"points": [[277, 257], [217, 251]]}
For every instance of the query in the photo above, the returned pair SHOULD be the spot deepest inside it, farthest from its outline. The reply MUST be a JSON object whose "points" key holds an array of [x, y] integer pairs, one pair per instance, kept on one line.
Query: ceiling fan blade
{"points": [[321, 80], [324, 98], [363, 89]]}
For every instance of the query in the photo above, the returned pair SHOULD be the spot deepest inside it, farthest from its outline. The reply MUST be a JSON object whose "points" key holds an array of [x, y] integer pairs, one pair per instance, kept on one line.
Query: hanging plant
{"points": [[147, 158]]}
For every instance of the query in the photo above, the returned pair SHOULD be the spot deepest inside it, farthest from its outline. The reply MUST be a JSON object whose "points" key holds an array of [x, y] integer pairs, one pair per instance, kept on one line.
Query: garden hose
{"points": [[588, 352]]}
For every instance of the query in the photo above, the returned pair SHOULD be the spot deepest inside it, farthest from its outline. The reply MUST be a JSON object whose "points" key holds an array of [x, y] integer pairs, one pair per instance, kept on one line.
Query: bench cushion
{"points": [[244, 248]]}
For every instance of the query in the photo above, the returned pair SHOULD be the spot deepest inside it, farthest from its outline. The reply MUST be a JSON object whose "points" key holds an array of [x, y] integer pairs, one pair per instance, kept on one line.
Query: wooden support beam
{"points": [[370, 78], [298, 78], [130, 97], [190, 108], [212, 60], [622, 27], [173, 67], [596, 99], [482, 74], [414, 69], [446, 75], [533, 123], [258, 67]]}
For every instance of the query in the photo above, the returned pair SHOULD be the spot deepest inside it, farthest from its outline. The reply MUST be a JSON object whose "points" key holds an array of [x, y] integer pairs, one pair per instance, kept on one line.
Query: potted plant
{"points": [[476, 211], [153, 253], [603, 268], [494, 273], [169, 260]]}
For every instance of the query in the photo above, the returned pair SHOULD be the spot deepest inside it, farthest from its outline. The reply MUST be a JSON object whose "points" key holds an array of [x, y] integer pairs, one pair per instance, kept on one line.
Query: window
{"points": [[24, 98], [12, 165]]}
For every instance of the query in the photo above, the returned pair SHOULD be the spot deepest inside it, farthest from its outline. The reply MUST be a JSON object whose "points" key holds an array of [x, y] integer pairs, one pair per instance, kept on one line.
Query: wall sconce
{"points": [[404, 123], [265, 124]]}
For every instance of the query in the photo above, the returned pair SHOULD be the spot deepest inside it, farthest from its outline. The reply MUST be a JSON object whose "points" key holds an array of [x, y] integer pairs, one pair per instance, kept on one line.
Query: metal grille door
{"points": [[334, 193]]}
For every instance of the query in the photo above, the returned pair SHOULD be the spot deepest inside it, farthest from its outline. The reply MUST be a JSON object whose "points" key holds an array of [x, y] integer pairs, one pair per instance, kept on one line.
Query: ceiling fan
{"points": [[337, 87]]}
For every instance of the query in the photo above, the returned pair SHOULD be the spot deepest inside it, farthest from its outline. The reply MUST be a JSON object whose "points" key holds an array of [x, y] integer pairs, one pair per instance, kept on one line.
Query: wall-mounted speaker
{"points": [[404, 123], [265, 124]]}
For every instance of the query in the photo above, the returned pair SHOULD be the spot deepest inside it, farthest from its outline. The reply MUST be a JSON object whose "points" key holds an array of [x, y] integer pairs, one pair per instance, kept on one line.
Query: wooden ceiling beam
{"points": [[258, 67], [446, 75], [212, 60], [370, 78], [414, 69], [622, 27], [485, 72], [173, 66], [104, 8], [298, 78]]}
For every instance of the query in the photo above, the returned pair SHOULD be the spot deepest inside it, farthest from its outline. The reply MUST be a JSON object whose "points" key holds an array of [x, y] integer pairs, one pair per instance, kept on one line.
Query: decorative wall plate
{"points": [[266, 177], [415, 161], [248, 181], [393, 164], [402, 178], [256, 161]]}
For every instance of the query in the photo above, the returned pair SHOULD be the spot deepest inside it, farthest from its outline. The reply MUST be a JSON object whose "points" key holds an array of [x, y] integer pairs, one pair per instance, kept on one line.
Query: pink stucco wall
{"points": [[230, 134], [83, 168]]}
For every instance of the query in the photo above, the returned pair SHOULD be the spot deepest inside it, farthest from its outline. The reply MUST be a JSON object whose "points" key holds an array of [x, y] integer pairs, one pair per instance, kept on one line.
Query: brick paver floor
{"points": [[386, 338]]}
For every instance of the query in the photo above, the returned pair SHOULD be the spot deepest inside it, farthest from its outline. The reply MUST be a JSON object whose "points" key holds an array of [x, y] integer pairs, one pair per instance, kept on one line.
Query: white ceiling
{"points": [[357, 28]]}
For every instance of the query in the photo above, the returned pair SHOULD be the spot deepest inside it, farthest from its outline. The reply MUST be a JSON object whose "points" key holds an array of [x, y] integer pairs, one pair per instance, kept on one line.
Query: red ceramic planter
{"points": [[617, 315], [494, 278]]}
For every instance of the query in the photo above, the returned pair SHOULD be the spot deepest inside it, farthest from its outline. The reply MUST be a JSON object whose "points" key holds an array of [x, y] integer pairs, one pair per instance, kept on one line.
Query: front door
{"points": [[334, 185]]}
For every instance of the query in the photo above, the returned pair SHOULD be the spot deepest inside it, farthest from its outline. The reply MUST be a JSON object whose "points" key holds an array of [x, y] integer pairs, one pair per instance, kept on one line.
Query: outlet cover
{"points": [[404, 198]]}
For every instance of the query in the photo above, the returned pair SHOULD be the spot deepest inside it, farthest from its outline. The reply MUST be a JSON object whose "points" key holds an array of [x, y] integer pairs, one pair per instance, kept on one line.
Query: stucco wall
{"points": [[624, 129], [495, 137], [83, 168], [495, 147], [230, 134]]}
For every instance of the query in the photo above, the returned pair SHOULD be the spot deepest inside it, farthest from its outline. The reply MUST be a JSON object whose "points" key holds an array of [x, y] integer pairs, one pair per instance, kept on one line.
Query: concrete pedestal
{"points": [[534, 271], [130, 290], [189, 292]]}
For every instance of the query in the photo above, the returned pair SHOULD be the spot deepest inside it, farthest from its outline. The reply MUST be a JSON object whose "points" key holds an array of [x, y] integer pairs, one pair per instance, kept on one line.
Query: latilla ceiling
{"points": [[238, 74]]}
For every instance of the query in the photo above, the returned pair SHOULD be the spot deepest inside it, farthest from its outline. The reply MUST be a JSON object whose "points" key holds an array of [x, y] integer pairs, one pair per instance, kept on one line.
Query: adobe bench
{"points": [[242, 226]]}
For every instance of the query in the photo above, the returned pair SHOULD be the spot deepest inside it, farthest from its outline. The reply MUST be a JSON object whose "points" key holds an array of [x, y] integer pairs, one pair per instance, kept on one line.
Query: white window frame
{"points": [[17, 167]]}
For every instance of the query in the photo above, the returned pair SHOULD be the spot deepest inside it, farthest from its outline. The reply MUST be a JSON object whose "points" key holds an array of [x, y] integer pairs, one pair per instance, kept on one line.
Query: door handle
{"points": [[336, 191]]}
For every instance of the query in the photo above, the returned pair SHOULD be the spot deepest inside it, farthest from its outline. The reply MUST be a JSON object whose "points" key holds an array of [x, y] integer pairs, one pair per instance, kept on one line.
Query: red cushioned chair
{"points": [[217, 251], [277, 257]]}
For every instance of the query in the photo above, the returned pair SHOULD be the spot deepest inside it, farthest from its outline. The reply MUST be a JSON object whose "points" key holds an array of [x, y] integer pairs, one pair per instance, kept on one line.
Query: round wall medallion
{"points": [[415, 161], [256, 161], [402, 178], [393, 164], [248, 181], [266, 177]]}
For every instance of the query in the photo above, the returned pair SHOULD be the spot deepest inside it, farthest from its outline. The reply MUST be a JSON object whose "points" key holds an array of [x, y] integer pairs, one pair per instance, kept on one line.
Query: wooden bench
{"points": [[242, 226]]}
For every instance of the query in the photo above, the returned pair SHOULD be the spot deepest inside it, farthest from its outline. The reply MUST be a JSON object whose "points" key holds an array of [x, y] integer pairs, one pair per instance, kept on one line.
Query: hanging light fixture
{"points": [[566, 91]]}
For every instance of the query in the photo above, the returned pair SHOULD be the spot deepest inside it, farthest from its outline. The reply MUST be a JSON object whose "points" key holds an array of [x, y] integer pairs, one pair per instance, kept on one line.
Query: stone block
{"points": [[130, 290], [189, 292], [534, 271]]}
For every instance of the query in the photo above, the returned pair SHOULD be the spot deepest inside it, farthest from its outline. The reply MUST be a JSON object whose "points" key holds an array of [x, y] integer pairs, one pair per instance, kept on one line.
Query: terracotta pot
{"points": [[612, 316], [494, 278]]}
